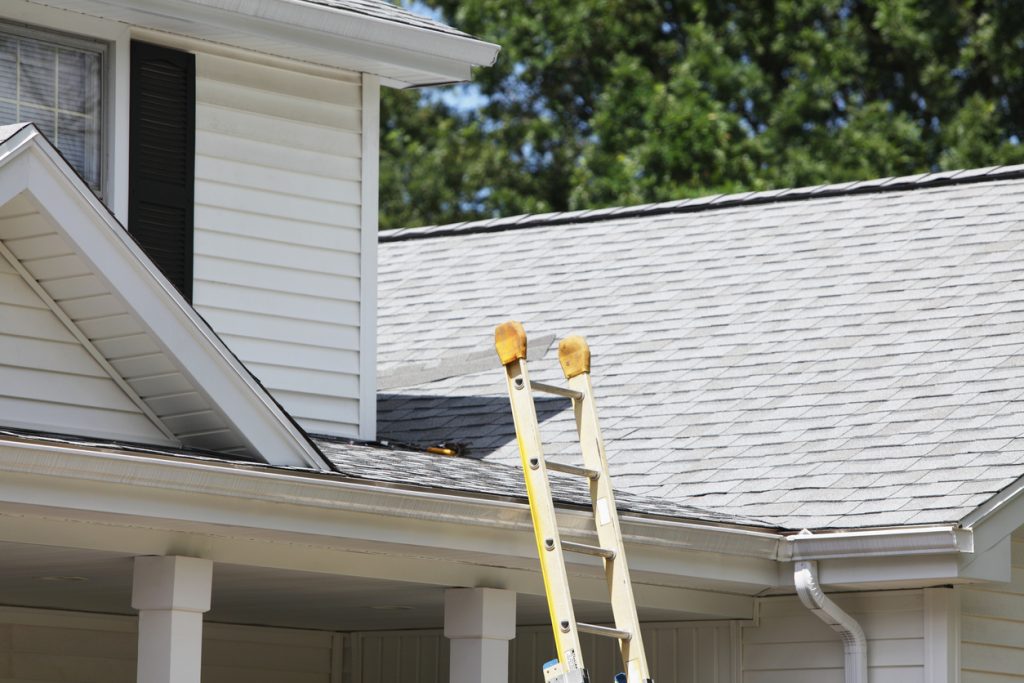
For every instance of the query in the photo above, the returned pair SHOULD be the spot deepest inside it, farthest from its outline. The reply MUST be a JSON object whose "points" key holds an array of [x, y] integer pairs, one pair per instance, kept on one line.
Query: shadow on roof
{"points": [[480, 424]]}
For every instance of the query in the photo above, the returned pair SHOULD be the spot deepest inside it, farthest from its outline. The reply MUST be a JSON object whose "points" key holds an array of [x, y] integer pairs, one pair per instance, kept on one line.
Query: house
{"points": [[191, 482], [840, 364]]}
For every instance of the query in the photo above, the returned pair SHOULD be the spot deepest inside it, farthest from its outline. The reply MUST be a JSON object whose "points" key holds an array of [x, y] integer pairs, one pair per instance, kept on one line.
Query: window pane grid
{"points": [[58, 88]]}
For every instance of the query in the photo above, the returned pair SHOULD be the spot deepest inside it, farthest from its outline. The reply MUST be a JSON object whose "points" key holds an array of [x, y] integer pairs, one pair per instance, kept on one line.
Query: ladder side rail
{"points": [[575, 358], [542, 507]]}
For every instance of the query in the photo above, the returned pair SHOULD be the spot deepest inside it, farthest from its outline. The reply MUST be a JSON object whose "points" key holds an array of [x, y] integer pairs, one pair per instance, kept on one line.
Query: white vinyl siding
{"points": [[71, 647], [48, 381], [681, 653], [992, 628], [277, 231], [791, 645], [406, 656]]}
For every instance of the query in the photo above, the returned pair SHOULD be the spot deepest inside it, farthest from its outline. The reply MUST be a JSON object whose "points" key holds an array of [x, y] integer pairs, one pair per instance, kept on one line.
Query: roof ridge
{"points": [[709, 202]]}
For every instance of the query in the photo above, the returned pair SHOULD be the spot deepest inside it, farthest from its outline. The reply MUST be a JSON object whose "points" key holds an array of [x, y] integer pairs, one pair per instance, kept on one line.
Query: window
{"points": [[56, 82]]}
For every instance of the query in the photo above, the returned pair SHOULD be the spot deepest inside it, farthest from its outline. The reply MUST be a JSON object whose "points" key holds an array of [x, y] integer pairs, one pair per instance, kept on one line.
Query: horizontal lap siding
{"points": [[791, 645], [992, 628], [48, 380], [680, 653], [277, 234], [676, 653], [66, 647]]}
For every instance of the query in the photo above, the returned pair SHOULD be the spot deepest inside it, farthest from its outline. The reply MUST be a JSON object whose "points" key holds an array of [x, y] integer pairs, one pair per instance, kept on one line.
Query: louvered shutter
{"points": [[162, 158]]}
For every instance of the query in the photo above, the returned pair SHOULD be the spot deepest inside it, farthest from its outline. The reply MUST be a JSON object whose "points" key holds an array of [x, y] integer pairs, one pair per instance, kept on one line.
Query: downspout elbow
{"points": [[855, 643]]}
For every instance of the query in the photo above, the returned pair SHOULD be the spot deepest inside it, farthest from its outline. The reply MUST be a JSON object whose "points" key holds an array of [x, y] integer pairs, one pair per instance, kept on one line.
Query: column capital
{"points": [[172, 582], [480, 613]]}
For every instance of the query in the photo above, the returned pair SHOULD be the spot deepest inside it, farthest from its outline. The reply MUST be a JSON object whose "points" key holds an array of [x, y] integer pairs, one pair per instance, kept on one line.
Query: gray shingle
{"points": [[755, 357]]}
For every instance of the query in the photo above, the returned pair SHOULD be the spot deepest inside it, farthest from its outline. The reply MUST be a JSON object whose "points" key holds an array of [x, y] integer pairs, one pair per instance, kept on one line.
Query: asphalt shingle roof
{"points": [[374, 462], [839, 357]]}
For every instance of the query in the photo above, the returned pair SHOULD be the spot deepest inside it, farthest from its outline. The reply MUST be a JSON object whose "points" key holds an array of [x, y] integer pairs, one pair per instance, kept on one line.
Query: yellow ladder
{"points": [[574, 356]]}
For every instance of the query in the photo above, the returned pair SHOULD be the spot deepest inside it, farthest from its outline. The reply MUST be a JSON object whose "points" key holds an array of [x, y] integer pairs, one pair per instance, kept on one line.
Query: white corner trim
{"points": [[86, 344], [942, 635], [118, 260], [368, 258], [855, 643]]}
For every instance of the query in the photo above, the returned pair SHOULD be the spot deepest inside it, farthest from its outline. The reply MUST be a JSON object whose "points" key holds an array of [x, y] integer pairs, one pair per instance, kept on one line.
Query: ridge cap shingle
{"points": [[710, 202]]}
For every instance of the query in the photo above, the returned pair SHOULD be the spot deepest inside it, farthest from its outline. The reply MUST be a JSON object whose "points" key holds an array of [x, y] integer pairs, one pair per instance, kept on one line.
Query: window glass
{"points": [[56, 83]]}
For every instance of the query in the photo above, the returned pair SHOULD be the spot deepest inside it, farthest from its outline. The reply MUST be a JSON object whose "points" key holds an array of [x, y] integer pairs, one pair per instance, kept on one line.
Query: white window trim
{"points": [[114, 134]]}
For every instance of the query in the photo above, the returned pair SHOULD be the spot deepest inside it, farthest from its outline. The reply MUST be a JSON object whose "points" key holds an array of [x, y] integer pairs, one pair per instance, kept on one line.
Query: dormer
{"points": [[238, 143]]}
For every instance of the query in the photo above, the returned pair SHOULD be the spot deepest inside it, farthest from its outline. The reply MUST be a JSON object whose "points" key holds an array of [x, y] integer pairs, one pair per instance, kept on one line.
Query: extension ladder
{"points": [[574, 356]]}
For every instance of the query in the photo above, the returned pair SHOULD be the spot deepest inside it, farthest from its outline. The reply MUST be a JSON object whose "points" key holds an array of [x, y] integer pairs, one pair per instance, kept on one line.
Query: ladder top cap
{"points": [[510, 342], [574, 355]]}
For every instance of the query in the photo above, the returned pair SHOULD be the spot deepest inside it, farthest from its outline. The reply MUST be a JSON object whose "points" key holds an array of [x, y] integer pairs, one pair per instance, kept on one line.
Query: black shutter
{"points": [[161, 150]]}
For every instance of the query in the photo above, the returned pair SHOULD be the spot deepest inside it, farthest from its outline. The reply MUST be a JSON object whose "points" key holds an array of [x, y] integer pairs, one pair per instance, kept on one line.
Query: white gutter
{"points": [[932, 540], [855, 643], [333, 492]]}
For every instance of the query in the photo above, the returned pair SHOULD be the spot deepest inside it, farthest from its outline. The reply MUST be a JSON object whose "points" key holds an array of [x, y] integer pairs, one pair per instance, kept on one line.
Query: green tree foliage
{"points": [[602, 102]]}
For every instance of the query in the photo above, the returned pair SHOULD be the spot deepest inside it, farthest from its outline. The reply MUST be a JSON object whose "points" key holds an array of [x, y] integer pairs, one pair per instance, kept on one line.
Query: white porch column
{"points": [[479, 622], [171, 594]]}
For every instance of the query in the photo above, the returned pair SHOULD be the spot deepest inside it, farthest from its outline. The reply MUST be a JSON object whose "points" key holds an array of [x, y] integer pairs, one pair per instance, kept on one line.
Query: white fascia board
{"points": [[183, 495], [404, 55], [29, 164], [247, 515], [221, 481]]}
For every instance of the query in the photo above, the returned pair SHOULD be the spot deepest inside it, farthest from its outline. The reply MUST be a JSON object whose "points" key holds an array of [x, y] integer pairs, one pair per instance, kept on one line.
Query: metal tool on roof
{"points": [[574, 357]]}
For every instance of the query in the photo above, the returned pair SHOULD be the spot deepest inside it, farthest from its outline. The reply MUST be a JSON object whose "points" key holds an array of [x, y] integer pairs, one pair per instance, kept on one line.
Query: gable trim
{"points": [[122, 264], [89, 347]]}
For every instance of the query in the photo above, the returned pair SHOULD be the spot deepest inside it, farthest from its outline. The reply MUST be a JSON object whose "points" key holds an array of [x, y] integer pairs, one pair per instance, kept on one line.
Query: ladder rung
{"points": [[557, 391], [585, 549], [573, 469], [605, 631]]}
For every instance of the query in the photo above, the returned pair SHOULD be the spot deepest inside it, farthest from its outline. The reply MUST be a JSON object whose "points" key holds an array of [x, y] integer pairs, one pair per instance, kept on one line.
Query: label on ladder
{"points": [[604, 515]]}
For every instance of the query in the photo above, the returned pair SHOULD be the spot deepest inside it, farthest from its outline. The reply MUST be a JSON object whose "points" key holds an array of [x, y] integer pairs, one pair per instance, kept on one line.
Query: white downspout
{"points": [[855, 643]]}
